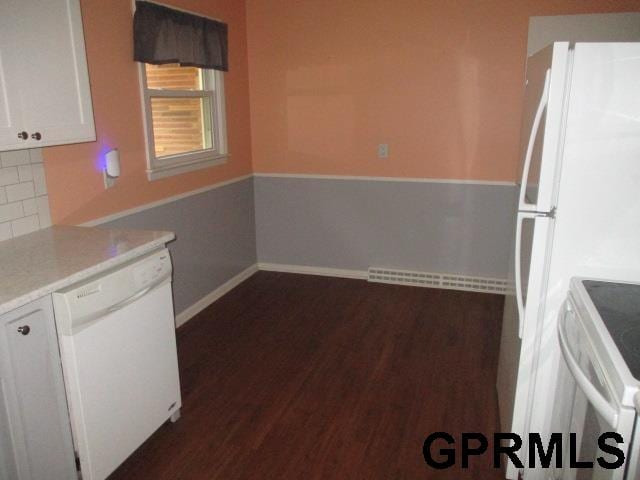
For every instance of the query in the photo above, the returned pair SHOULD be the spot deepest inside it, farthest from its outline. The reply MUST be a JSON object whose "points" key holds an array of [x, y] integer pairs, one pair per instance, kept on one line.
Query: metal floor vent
{"points": [[437, 280]]}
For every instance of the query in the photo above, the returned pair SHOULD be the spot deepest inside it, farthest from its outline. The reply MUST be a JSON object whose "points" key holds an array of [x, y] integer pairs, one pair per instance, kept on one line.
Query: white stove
{"points": [[599, 335]]}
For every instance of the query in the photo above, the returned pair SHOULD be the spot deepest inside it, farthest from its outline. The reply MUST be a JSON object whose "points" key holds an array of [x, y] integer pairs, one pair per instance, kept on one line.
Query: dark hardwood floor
{"points": [[304, 377]]}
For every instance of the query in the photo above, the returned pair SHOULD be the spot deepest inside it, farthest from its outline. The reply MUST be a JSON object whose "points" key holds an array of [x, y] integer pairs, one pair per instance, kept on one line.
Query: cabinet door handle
{"points": [[23, 135], [24, 330], [36, 136]]}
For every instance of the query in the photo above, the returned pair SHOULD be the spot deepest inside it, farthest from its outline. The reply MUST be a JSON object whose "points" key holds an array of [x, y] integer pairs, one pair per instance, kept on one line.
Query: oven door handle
{"points": [[604, 408]]}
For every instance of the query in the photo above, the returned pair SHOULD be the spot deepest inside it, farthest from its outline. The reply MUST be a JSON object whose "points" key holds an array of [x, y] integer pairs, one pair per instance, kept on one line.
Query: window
{"points": [[184, 118]]}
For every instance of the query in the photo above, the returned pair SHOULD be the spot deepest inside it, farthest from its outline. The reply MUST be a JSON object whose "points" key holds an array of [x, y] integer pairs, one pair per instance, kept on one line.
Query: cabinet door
{"points": [[39, 444], [54, 95], [11, 120]]}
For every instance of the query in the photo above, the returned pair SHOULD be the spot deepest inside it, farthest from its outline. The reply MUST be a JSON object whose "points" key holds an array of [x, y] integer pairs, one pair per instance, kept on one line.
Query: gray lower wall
{"points": [[215, 238], [353, 224], [345, 224]]}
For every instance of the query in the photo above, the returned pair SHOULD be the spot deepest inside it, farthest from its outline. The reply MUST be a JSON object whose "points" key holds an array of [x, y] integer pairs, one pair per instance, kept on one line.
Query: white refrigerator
{"points": [[578, 214]]}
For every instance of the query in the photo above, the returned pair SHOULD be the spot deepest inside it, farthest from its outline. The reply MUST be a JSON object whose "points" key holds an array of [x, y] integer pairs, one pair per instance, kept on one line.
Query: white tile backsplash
{"points": [[5, 231], [15, 158], [43, 211], [20, 191], [24, 203], [11, 211], [25, 225], [30, 206], [38, 179], [24, 173], [9, 176], [35, 155]]}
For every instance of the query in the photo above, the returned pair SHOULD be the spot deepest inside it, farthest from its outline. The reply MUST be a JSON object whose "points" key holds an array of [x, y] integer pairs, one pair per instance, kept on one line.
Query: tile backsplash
{"points": [[24, 203]]}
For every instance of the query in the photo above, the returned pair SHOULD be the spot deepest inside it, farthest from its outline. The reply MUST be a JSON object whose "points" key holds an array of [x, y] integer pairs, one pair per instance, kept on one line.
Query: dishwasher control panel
{"points": [[149, 271], [79, 305]]}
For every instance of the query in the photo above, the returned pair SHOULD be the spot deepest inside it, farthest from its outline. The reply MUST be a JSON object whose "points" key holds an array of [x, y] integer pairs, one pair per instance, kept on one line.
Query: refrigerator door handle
{"points": [[518, 269], [522, 203], [600, 404]]}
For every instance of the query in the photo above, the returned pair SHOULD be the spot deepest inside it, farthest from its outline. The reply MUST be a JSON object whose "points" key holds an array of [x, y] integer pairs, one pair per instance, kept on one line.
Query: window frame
{"points": [[213, 90]]}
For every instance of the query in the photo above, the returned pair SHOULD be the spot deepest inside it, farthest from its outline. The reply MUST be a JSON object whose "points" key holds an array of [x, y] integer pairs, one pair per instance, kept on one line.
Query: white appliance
{"points": [[599, 333], [118, 349], [578, 214]]}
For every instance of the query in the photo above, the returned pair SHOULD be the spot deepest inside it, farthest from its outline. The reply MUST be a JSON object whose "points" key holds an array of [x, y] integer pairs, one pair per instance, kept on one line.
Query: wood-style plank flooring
{"points": [[304, 377]]}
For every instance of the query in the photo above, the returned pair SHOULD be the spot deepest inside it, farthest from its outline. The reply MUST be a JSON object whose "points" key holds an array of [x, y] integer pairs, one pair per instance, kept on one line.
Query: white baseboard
{"points": [[445, 281], [190, 312], [307, 270]]}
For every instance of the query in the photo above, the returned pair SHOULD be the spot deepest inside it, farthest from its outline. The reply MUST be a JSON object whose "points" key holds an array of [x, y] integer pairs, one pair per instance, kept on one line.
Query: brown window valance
{"points": [[164, 35]]}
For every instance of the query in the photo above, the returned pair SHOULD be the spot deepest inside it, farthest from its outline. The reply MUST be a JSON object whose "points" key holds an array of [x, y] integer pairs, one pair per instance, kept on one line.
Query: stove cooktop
{"points": [[619, 306]]}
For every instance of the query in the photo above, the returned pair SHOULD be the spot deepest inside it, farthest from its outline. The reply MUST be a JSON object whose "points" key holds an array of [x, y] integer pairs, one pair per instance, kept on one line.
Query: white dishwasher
{"points": [[118, 349]]}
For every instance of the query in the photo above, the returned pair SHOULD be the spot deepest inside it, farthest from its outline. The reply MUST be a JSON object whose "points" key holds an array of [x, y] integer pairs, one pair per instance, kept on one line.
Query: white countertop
{"points": [[35, 265]]}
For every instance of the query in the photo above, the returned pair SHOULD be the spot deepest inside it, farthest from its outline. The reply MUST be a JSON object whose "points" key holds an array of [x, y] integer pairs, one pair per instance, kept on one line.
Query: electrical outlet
{"points": [[108, 180], [383, 150]]}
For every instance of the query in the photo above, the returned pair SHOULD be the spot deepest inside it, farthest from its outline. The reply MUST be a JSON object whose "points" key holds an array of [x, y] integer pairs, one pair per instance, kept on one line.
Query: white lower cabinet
{"points": [[35, 432]]}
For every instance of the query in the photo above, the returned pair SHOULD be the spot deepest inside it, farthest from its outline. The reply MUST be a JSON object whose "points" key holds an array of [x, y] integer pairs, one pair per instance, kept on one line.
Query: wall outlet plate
{"points": [[109, 181], [383, 150]]}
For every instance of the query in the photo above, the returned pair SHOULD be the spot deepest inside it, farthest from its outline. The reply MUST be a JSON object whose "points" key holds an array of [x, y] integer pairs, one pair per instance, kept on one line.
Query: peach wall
{"points": [[439, 81], [76, 191]]}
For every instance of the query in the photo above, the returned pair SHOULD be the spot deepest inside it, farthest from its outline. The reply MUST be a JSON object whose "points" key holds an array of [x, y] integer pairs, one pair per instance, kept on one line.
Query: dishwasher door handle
{"points": [[132, 298], [82, 323]]}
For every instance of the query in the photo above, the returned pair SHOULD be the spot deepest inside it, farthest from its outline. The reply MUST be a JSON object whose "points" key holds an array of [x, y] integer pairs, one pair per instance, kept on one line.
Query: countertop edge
{"points": [[86, 273]]}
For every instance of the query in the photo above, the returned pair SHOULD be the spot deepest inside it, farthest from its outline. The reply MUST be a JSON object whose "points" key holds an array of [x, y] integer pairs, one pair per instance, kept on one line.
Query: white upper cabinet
{"points": [[45, 97]]}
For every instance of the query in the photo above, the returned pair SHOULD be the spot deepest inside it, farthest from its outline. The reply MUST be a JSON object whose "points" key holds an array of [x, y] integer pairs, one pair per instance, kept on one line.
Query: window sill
{"points": [[179, 168]]}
